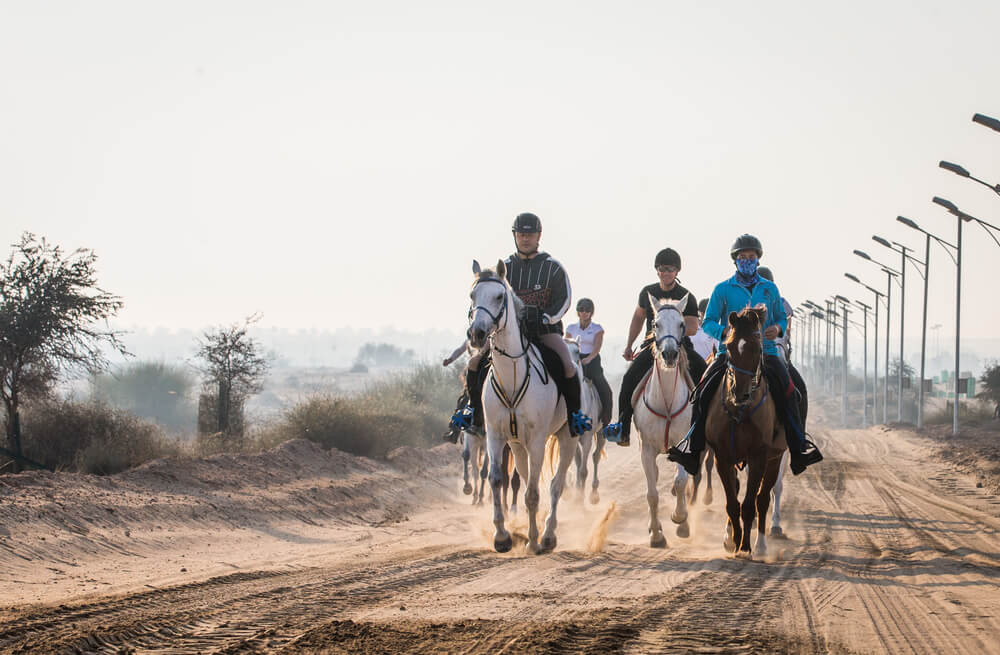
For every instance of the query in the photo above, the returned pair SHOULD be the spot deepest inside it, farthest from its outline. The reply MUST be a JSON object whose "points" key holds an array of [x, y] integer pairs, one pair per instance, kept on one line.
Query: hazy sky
{"points": [[331, 164]]}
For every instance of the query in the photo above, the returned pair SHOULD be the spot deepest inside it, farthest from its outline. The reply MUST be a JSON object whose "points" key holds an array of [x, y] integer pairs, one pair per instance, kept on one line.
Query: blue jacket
{"points": [[730, 296]]}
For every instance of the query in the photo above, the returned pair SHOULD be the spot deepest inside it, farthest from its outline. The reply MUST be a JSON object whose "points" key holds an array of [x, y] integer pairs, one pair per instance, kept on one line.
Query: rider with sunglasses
{"points": [[667, 265]]}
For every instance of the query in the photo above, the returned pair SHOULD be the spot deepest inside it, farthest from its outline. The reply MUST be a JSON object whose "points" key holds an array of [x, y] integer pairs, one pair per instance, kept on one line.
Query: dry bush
{"points": [[970, 411], [408, 409], [91, 437]]}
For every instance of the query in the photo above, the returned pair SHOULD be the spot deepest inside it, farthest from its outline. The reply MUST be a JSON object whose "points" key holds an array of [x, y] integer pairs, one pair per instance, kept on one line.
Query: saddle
{"points": [[550, 359]]}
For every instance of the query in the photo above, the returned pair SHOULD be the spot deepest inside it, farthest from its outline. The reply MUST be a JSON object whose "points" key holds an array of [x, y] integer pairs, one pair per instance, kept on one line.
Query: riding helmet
{"points": [[526, 222], [702, 305], [585, 305], [668, 257], [746, 242], [765, 273]]}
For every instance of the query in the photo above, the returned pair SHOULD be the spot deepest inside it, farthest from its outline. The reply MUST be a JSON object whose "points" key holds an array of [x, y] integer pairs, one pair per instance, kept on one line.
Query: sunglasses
{"points": [[665, 268]]}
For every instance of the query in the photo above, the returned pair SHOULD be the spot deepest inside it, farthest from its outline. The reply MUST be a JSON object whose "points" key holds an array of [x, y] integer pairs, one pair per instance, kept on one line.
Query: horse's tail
{"points": [[551, 453]]}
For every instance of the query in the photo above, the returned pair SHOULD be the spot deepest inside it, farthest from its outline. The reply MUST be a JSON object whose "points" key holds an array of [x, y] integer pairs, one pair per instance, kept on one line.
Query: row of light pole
{"points": [[893, 276]]}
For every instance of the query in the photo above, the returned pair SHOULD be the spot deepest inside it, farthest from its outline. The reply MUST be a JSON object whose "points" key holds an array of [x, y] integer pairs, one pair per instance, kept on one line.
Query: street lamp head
{"points": [[878, 239], [818, 315], [991, 123], [842, 299], [862, 254], [947, 204], [852, 278], [954, 168], [908, 223]]}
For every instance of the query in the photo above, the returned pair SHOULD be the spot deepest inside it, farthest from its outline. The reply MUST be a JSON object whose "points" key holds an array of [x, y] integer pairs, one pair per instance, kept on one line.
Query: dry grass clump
{"points": [[90, 437], [408, 409], [971, 411]]}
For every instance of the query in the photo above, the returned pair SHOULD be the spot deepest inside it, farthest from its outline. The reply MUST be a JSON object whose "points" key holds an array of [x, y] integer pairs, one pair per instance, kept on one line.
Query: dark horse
{"points": [[742, 428]]}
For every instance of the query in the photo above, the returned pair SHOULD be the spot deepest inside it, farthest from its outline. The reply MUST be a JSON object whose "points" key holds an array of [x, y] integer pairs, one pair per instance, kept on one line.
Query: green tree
{"points": [[233, 369], [53, 321], [153, 390], [990, 379]]}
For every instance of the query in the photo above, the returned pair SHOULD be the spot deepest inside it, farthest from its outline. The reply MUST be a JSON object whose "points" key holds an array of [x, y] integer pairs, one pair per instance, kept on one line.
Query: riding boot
{"points": [[803, 451], [637, 370], [577, 421]]}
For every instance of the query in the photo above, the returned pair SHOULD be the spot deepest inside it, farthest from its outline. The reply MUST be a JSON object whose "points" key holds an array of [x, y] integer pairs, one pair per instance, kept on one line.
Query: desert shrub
{"points": [[409, 408], [90, 437], [153, 390], [969, 412]]}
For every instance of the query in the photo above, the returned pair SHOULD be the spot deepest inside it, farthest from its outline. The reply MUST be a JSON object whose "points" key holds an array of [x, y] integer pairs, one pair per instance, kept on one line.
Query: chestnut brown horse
{"points": [[742, 428]]}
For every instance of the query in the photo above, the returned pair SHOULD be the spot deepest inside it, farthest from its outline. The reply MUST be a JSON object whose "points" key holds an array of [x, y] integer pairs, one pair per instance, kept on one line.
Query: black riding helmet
{"points": [[765, 273], [702, 305], [667, 257], [746, 242], [526, 222], [585, 305]]}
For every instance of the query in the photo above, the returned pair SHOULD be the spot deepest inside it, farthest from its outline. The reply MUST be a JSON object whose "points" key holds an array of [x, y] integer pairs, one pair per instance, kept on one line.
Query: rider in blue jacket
{"points": [[747, 288]]}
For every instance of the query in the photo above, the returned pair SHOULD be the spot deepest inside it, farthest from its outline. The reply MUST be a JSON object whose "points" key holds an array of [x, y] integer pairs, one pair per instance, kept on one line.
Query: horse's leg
{"points": [[680, 515], [515, 485], [652, 472], [709, 463], [731, 485], [756, 466], [771, 474], [567, 445], [536, 457], [695, 483], [505, 468], [598, 449], [502, 540], [483, 471], [779, 484], [467, 489], [581, 452]]}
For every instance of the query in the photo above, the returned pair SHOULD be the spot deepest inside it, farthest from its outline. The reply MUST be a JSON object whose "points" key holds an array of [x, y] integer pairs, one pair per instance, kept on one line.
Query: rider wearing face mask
{"points": [[747, 288]]}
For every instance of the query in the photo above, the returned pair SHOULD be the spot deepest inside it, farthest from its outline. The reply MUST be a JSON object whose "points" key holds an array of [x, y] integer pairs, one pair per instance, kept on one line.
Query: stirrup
{"points": [[462, 419], [579, 423]]}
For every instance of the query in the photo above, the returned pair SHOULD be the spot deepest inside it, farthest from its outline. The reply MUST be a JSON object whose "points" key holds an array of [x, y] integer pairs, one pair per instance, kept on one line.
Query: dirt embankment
{"points": [[64, 534]]}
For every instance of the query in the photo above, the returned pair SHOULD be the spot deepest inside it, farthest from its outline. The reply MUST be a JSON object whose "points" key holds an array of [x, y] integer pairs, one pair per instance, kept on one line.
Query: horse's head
{"points": [[744, 344], [668, 326], [490, 294]]}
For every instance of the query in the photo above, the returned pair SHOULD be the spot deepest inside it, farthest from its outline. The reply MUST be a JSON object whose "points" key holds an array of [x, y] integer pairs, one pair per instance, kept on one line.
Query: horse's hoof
{"points": [[658, 542], [683, 531], [503, 545], [777, 532], [547, 545], [467, 489], [595, 497], [677, 518], [708, 497], [743, 554]]}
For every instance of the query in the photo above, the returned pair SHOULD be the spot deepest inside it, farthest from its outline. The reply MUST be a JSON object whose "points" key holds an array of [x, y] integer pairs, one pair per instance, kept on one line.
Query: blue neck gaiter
{"points": [[746, 272]]}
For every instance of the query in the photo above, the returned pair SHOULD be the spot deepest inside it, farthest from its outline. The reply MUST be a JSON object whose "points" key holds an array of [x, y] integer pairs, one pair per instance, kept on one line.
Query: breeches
{"points": [[555, 343]]}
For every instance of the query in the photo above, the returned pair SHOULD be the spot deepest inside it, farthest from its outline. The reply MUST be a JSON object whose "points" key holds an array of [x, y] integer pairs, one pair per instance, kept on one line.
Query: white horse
{"points": [[662, 413], [474, 453], [521, 406], [590, 404]]}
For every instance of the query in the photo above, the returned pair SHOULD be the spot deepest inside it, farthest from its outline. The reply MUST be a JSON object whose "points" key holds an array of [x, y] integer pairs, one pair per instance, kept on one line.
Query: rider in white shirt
{"points": [[590, 337]]}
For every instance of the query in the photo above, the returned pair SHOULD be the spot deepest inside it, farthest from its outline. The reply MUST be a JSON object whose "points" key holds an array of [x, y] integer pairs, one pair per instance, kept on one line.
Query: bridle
{"points": [[500, 315], [755, 376], [669, 336]]}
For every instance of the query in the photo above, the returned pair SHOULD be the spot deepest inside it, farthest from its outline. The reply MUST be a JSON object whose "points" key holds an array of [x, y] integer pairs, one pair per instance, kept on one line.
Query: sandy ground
{"points": [[893, 547]]}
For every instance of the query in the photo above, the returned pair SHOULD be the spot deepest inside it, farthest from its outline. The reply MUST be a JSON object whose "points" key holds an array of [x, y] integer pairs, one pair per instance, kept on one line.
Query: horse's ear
{"points": [[732, 318], [653, 302], [501, 270], [761, 312], [682, 303], [475, 267]]}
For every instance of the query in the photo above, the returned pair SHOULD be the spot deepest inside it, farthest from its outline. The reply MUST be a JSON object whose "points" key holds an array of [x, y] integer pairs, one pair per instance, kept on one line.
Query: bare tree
{"points": [[53, 321], [234, 367]]}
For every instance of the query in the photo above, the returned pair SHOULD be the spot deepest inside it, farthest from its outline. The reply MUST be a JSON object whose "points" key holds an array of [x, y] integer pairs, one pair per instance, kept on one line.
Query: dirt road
{"points": [[890, 549]]}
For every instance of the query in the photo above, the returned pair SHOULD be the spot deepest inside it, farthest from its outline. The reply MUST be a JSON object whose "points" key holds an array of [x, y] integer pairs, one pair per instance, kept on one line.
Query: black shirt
{"points": [[541, 281], [674, 294]]}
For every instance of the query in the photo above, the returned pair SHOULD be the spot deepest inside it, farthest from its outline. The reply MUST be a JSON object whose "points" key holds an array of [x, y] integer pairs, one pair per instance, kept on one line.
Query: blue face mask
{"points": [[747, 267]]}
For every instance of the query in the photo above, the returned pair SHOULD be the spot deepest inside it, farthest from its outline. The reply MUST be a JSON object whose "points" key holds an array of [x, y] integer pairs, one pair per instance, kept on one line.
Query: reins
{"points": [[741, 415], [668, 417]]}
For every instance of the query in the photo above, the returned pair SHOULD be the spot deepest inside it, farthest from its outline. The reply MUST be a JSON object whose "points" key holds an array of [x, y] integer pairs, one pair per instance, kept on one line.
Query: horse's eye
{"points": [[499, 297]]}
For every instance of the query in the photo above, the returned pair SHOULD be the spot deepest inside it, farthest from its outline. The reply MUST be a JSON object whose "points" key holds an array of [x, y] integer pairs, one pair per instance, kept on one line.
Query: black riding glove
{"points": [[531, 317]]}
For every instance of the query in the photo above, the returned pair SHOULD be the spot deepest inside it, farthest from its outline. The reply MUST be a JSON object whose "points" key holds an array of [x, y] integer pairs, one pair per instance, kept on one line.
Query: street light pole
{"points": [[878, 298], [864, 378], [890, 274], [843, 368]]}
